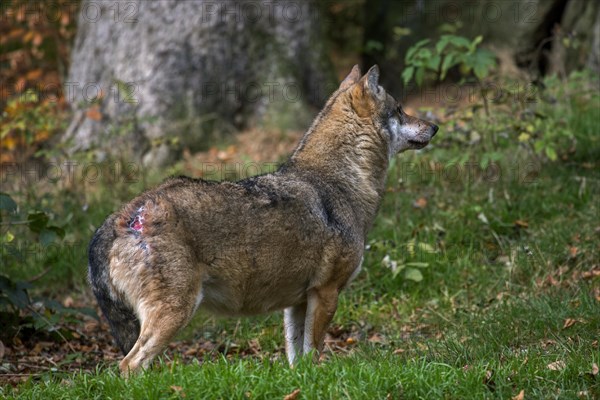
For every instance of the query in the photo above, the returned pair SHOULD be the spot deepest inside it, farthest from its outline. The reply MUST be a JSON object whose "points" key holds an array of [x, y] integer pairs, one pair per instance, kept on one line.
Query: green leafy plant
{"points": [[405, 261], [547, 125], [448, 52], [37, 222], [19, 312]]}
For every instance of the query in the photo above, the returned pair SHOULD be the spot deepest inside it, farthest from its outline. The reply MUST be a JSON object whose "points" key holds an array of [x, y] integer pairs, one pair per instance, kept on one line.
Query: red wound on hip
{"points": [[137, 224]]}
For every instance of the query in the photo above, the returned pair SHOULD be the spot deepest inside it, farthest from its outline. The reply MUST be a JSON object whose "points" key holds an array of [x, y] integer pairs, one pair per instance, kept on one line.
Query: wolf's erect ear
{"points": [[367, 94], [372, 81], [352, 78], [373, 77]]}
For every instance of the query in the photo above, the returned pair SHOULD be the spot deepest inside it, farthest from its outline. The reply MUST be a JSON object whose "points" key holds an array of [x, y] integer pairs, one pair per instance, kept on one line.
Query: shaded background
{"points": [[148, 80]]}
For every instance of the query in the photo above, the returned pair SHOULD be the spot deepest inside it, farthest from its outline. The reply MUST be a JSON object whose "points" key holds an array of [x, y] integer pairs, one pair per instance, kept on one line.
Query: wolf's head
{"points": [[353, 138], [372, 103]]}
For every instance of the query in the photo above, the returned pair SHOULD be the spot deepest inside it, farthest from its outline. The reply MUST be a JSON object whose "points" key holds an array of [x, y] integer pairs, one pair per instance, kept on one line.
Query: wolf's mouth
{"points": [[418, 144]]}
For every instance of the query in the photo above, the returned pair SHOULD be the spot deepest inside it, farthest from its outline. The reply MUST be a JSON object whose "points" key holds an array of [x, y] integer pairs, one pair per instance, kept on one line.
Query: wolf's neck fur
{"points": [[346, 152]]}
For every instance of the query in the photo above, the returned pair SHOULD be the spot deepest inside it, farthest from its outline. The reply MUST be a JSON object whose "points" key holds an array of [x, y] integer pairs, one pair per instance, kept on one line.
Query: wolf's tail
{"points": [[123, 322]]}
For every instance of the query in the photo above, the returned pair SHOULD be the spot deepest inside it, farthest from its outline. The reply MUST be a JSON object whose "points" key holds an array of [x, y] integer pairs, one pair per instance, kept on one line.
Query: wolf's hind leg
{"points": [[321, 307], [293, 323], [167, 304], [159, 325]]}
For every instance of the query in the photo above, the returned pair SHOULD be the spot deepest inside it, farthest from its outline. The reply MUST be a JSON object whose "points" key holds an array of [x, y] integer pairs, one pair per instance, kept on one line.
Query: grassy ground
{"points": [[490, 289]]}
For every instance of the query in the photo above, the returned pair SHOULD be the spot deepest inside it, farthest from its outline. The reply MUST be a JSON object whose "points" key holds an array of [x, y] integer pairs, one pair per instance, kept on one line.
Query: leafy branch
{"points": [[450, 51]]}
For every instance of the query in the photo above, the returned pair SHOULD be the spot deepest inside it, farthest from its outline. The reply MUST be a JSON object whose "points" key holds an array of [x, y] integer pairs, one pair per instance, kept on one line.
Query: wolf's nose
{"points": [[435, 129]]}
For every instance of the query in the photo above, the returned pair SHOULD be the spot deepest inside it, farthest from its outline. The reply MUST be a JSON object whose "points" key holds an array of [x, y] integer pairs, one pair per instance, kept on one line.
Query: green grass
{"points": [[368, 373], [487, 320]]}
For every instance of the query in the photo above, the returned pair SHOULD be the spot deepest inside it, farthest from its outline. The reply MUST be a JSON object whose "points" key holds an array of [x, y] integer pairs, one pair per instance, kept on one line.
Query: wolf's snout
{"points": [[435, 129]]}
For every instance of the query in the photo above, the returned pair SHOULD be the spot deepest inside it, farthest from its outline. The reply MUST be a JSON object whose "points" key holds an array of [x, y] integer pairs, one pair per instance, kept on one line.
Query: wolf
{"points": [[289, 240]]}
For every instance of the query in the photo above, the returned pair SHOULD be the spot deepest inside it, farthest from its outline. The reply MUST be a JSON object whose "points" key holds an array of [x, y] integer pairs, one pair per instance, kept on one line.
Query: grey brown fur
{"points": [[289, 240]]}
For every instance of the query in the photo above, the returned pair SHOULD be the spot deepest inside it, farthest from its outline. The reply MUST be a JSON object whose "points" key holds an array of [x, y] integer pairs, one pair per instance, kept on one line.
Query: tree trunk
{"points": [[150, 77]]}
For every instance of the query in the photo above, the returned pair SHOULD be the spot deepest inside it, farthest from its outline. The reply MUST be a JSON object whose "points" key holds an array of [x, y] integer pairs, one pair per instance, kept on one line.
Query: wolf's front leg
{"points": [[293, 323], [322, 304]]}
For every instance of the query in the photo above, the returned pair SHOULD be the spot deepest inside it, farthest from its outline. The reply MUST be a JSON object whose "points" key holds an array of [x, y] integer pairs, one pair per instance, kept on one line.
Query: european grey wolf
{"points": [[290, 240]]}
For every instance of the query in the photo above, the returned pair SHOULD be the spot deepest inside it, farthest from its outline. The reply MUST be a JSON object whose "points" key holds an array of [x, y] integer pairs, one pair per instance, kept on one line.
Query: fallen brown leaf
{"points": [[191, 351], [292, 396], [521, 224], [549, 281], [519, 396], [68, 301], [91, 326], [178, 390], [420, 203], [17, 343], [573, 251], [39, 346], [376, 338], [591, 274], [569, 322], [595, 369], [557, 365]]}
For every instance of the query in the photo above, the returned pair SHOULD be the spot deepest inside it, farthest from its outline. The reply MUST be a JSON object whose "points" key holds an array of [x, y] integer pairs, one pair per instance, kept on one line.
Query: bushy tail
{"points": [[124, 325]]}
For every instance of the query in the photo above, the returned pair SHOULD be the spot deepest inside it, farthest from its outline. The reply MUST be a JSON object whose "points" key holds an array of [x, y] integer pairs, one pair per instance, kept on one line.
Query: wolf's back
{"points": [[123, 322]]}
